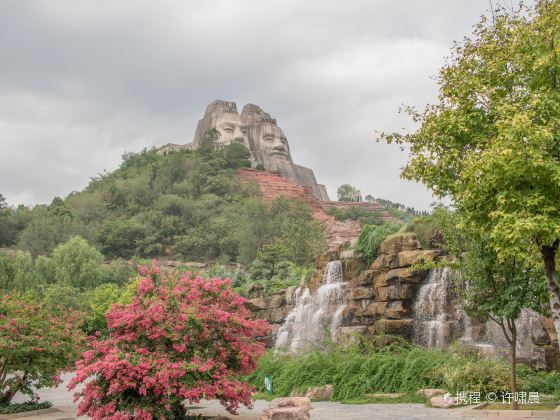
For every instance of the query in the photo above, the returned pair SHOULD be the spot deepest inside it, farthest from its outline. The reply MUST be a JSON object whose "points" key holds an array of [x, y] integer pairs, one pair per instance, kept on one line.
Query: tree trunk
{"points": [[513, 365], [549, 255]]}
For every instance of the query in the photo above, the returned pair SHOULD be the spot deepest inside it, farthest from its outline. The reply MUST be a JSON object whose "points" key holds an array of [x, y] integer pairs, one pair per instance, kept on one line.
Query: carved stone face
{"points": [[272, 141], [230, 127]]}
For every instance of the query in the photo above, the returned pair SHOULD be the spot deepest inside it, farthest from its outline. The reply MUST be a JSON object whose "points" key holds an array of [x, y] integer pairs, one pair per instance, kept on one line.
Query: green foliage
{"points": [[544, 382], [426, 230], [270, 256], [48, 227], [64, 295], [347, 192], [23, 407], [36, 343], [490, 143], [77, 264], [357, 371], [100, 301], [397, 210], [12, 222], [364, 216], [353, 372], [286, 225], [482, 375], [371, 237], [23, 272]]}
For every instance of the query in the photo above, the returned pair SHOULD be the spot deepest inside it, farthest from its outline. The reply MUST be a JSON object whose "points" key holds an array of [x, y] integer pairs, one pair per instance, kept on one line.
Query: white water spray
{"points": [[316, 314]]}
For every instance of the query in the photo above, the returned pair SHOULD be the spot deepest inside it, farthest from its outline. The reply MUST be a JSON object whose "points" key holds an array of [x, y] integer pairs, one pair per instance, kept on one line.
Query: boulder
{"points": [[396, 310], [400, 327], [399, 275], [408, 258], [255, 304], [320, 393], [290, 402], [276, 300], [398, 243], [430, 392], [350, 335], [256, 291], [444, 401], [375, 308], [360, 293], [365, 278], [288, 408], [394, 292]]}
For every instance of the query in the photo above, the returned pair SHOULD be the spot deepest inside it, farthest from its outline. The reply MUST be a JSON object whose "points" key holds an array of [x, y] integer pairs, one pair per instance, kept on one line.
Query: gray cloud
{"points": [[82, 82]]}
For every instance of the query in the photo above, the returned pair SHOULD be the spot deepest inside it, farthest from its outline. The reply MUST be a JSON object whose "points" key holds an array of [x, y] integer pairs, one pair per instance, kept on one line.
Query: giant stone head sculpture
{"points": [[222, 116], [267, 141]]}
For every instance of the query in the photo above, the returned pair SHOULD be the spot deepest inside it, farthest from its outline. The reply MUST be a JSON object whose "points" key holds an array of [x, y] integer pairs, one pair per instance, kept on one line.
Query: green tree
{"points": [[6, 272], [347, 192], [208, 142], [46, 230], [100, 301], [24, 275], [491, 142], [271, 256], [78, 264], [36, 343], [492, 288]]}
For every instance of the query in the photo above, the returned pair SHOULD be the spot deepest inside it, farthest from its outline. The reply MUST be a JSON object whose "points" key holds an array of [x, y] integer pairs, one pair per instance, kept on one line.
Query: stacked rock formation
{"points": [[381, 297]]}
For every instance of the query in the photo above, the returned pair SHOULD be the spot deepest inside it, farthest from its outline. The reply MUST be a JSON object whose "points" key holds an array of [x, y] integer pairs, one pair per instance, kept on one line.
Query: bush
{"points": [[545, 382], [478, 375], [353, 372], [364, 216], [371, 237], [36, 343], [23, 407], [426, 230], [179, 339]]}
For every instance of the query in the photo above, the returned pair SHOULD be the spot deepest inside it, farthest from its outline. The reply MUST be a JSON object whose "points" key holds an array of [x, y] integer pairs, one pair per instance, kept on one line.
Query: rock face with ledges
{"points": [[382, 295]]}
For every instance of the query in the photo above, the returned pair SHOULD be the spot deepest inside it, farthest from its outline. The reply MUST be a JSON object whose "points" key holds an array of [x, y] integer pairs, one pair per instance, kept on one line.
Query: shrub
{"points": [[36, 343], [371, 237], [426, 230], [179, 339], [476, 375], [353, 372], [23, 407]]}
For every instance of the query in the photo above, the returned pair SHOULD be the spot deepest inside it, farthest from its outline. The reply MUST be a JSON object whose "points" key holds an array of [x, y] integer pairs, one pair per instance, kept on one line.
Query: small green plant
{"points": [[371, 237], [22, 407]]}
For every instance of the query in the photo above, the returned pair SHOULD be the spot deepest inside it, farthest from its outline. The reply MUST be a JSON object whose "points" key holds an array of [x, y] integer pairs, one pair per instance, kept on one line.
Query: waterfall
{"points": [[314, 315], [439, 320], [432, 310]]}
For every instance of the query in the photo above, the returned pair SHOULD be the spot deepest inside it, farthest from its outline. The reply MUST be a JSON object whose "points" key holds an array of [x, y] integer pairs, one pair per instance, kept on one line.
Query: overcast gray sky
{"points": [[81, 82]]}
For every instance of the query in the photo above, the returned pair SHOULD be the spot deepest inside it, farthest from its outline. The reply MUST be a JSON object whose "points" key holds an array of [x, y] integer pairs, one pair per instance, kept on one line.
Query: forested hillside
{"points": [[186, 205]]}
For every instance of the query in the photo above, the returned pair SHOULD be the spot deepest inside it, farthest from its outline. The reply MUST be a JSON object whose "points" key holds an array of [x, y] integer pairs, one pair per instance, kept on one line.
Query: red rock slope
{"points": [[273, 186]]}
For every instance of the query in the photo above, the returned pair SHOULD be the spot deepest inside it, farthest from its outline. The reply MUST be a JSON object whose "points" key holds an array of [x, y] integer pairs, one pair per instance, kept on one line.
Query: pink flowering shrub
{"points": [[180, 339], [36, 344]]}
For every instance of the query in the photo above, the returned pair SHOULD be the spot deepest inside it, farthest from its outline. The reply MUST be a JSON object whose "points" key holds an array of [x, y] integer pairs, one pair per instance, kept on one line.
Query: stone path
{"points": [[66, 410]]}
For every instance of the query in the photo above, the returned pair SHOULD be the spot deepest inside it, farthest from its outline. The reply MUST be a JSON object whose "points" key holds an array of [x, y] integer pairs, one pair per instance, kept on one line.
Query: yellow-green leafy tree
{"points": [[492, 140]]}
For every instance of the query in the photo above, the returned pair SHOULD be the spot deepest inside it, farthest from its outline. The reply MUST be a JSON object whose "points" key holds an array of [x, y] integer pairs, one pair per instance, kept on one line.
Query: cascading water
{"points": [[439, 320], [315, 314], [431, 327]]}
